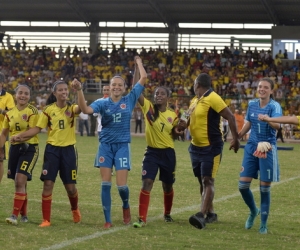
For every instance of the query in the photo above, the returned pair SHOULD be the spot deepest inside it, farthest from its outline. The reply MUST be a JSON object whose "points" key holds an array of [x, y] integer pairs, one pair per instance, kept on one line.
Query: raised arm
{"points": [[81, 100], [139, 76], [142, 71]]}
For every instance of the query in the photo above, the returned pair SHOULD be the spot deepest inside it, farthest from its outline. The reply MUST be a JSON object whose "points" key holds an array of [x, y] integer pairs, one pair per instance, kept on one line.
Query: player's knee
{"points": [[147, 184], [244, 185], [207, 181]]}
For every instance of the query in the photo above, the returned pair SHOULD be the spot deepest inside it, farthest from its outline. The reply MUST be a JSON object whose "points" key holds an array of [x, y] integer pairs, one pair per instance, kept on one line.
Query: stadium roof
{"points": [[170, 12]]}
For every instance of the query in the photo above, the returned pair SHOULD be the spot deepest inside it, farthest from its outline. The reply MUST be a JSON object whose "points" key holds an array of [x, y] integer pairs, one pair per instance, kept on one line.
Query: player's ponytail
{"points": [[52, 99]]}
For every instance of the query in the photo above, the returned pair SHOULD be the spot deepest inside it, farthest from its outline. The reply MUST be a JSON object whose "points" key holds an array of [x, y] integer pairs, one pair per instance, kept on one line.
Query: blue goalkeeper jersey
{"points": [[116, 116], [262, 131]]}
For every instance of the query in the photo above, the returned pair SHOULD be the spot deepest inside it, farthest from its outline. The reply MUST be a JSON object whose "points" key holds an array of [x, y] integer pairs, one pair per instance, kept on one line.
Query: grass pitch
{"points": [[228, 233]]}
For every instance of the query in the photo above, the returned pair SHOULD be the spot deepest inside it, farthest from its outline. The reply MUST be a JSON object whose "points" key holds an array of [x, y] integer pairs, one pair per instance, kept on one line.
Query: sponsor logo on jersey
{"points": [[101, 159], [24, 117], [123, 106], [68, 113]]}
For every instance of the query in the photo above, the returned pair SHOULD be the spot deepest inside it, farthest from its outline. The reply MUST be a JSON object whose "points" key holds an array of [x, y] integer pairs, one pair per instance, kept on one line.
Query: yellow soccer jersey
{"points": [[18, 121], [205, 120], [6, 102], [60, 123], [159, 132]]}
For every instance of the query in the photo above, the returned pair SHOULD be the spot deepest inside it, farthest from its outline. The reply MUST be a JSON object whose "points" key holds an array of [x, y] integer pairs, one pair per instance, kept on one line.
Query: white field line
{"points": [[174, 211]]}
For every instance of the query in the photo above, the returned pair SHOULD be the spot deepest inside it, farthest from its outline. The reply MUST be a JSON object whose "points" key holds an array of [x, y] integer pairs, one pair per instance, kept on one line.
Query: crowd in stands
{"points": [[235, 72]]}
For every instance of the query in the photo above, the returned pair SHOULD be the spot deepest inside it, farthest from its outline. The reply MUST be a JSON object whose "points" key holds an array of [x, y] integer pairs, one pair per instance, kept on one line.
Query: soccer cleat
{"points": [[263, 229], [139, 224], [76, 215], [197, 220], [126, 216], [168, 218], [107, 225], [24, 219], [211, 217], [12, 220], [251, 218], [45, 223]]}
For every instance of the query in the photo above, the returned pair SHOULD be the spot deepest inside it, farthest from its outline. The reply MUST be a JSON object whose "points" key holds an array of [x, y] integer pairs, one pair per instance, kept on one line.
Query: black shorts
{"points": [[162, 159], [22, 159], [62, 160], [206, 160]]}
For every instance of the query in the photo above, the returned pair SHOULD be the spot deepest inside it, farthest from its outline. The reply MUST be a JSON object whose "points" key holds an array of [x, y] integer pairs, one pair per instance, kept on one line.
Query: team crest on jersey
{"points": [[242, 169], [144, 172], [101, 159], [45, 172], [170, 120], [123, 106], [68, 113], [24, 117]]}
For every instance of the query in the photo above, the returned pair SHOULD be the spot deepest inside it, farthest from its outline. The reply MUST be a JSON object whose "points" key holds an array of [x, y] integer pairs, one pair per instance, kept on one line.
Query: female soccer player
{"points": [[60, 152], [160, 155], [22, 156], [261, 132], [114, 137]]}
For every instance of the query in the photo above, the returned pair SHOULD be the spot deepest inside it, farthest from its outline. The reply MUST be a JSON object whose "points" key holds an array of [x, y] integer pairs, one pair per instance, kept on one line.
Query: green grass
{"points": [[228, 233]]}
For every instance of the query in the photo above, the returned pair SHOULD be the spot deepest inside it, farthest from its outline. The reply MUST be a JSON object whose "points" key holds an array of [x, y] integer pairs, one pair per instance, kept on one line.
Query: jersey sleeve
{"points": [[135, 94], [218, 105], [10, 102], [74, 106], [276, 110], [98, 105], [5, 123], [33, 119], [43, 120]]}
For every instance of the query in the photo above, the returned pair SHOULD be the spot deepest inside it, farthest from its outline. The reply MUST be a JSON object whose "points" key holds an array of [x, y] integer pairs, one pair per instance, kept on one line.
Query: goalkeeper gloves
{"points": [[262, 149]]}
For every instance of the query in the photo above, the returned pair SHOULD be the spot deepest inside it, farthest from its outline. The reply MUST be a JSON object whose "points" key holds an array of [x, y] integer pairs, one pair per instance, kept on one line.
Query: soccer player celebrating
{"points": [[161, 124], [6, 103], [60, 152], [260, 154], [115, 137], [22, 156]]}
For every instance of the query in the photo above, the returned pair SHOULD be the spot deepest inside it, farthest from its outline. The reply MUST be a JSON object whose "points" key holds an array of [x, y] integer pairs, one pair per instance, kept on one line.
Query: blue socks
{"points": [[247, 195], [124, 194], [106, 199], [265, 200]]}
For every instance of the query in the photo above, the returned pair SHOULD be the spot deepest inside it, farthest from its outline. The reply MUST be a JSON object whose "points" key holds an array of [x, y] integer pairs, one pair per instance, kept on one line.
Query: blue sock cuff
{"points": [[105, 183], [122, 187], [265, 189], [244, 184]]}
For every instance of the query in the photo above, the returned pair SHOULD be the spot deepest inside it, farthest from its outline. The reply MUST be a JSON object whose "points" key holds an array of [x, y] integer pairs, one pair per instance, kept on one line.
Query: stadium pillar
{"points": [[173, 36], [94, 36]]}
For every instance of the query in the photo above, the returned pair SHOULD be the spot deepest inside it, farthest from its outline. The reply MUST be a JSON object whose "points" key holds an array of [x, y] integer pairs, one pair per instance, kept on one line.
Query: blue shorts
{"points": [[206, 160], [162, 159], [60, 159], [22, 159], [268, 168], [113, 154]]}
